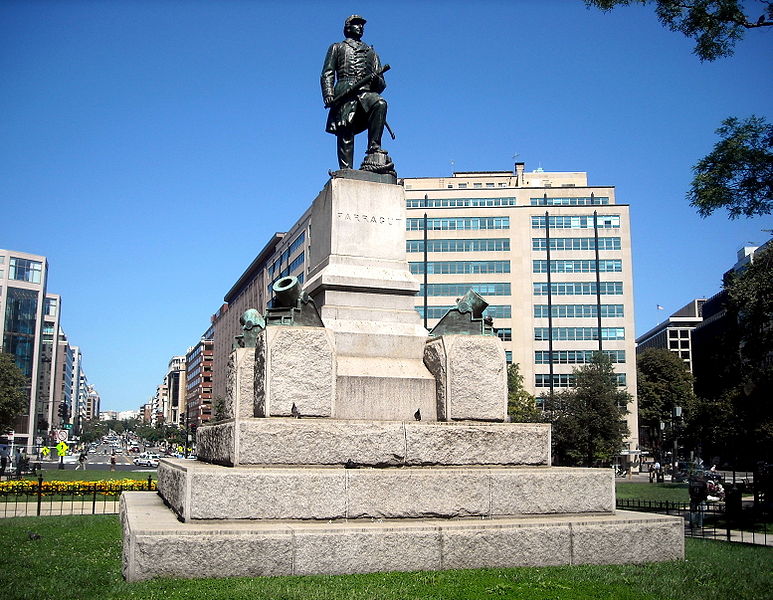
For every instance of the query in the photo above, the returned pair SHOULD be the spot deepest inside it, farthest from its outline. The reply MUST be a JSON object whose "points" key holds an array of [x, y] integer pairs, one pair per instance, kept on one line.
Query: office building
{"points": [[27, 313], [675, 333], [198, 381], [175, 389], [550, 253]]}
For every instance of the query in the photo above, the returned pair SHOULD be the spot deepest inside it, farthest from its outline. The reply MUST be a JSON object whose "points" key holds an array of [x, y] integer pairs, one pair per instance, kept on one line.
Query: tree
{"points": [[13, 392], [93, 430], [715, 25], [738, 173], [663, 382], [521, 405], [589, 420]]}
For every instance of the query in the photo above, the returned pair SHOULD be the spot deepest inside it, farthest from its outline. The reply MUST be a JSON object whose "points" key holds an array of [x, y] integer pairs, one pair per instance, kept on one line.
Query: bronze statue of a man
{"points": [[352, 81]]}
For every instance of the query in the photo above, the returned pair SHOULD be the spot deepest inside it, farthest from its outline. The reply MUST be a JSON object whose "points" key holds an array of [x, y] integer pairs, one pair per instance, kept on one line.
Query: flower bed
{"points": [[104, 487]]}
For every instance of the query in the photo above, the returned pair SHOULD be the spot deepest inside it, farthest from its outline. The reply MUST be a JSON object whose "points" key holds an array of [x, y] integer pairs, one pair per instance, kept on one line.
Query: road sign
{"points": [[61, 449], [38, 440], [67, 425], [62, 435]]}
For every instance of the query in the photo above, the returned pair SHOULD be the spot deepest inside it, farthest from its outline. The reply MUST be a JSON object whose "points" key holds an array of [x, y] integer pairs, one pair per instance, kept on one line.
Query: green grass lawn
{"points": [[80, 557], [70, 474], [672, 492]]}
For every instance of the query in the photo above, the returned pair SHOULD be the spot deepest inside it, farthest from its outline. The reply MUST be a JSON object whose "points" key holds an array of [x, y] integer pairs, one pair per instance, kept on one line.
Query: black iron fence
{"points": [[27, 497], [735, 522]]}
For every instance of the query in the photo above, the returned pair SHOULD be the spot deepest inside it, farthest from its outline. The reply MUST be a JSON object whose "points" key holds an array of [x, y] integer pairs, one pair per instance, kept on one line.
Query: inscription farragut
{"points": [[362, 218]]}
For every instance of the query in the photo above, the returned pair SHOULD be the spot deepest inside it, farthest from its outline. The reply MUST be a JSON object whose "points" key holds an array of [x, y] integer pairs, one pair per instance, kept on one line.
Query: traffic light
{"points": [[64, 411]]}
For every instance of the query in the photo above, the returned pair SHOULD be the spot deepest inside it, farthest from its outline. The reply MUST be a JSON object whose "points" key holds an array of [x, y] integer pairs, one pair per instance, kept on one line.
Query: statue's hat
{"points": [[354, 19]]}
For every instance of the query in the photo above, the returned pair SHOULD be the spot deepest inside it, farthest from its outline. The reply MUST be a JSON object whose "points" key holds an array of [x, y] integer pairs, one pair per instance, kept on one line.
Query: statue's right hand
{"points": [[328, 100]]}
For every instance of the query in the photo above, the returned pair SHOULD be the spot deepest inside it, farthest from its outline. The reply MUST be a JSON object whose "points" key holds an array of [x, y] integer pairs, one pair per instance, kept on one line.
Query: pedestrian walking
{"points": [[4, 455], [112, 462], [82, 461]]}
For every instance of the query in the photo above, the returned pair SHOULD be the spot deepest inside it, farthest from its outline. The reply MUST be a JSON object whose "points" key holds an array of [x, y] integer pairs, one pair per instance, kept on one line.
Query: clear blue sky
{"points": [[149, 148]]}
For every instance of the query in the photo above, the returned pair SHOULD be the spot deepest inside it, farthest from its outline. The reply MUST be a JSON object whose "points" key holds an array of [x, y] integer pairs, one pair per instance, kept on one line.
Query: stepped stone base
{"points": [[200, 491], [316, 442], [156, 544]]}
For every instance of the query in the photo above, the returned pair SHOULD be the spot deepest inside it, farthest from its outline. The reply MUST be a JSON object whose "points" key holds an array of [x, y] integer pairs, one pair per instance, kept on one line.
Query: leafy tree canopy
{"points": [[13, 392], [663, 383], [715, 25], [588, 420], [738, 173], [521, 405]]}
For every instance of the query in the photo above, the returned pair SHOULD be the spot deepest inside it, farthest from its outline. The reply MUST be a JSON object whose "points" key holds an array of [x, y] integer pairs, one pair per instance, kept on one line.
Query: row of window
{"points": [[585, 243], [578, 288], [567, 380], [461, 267], [460, 289], [579, 333], [575, 357], [458, 202], [285, 256], [461, 223], [22, 269], [495, 311], [481, 245], [296, 264], [578, 266], [584, 201], [576, 222], [577, 310]]}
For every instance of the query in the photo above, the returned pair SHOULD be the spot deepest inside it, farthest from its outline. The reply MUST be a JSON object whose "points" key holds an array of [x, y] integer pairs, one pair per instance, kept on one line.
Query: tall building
{"points": [[63, 381], [175, 388], [198, 380], [550, 253], [25, 315], [675, 333]]}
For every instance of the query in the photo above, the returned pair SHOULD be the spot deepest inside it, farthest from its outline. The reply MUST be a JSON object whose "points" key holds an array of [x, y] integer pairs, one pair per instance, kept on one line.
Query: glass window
{"points": [[297, 243], [495, 311], [21, 269], [578, 288], [575, 357], [50, 306], [505, 334], [568, 379], [476, 245], [20, 325], [576, 222], [577, 266], [579, 333], [457, 202], [578, 310], [460, 289], [462, 223], [605, 243], [461, 267]]}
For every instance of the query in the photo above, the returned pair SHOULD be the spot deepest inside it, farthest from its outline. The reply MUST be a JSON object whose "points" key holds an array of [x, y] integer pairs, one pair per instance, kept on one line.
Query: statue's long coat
{"points": [[346, 63]]}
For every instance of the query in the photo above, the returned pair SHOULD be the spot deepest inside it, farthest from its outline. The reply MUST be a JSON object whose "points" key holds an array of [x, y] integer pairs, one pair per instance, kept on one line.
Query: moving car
{"points": [[146, 460]]}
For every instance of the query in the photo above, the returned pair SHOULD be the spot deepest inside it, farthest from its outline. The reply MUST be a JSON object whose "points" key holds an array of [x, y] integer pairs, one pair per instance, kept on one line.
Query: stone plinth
{"points": [[294, 366], [471, 376], [200, 491], [359, 279], [156, 544], [332, 442], [240, 387]]}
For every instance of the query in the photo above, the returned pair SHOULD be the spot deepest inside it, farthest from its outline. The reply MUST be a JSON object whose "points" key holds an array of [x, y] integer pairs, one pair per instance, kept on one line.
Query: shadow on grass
{"points": [[80, 557]]}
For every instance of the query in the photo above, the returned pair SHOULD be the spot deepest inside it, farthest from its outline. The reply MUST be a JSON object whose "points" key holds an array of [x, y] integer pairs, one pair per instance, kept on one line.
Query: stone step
{"points": [[156, 544], [201, 491], [309, 442]]}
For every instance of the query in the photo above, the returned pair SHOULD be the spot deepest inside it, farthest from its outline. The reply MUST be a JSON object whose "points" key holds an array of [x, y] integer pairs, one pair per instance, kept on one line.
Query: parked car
{"points": [[146, 460]]}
